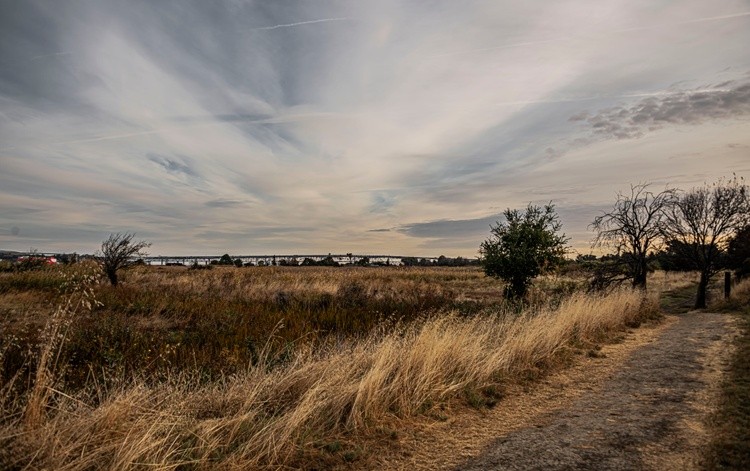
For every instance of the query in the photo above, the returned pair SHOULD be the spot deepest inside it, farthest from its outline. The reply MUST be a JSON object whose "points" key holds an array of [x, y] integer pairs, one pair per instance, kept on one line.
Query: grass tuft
{"points": [[730, 448]]}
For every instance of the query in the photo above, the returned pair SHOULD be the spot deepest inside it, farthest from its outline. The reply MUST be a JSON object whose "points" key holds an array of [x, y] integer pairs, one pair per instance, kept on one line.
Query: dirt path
{"points": [[641, 406], [646, 416]]}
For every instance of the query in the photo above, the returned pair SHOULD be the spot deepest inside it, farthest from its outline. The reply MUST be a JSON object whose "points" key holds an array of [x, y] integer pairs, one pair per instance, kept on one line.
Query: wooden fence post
{"points": [[727, 284]]}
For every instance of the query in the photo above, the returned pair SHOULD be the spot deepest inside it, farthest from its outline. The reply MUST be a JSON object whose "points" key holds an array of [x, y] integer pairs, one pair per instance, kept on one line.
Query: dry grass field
{"points": [[730, 447], [237, 368]]}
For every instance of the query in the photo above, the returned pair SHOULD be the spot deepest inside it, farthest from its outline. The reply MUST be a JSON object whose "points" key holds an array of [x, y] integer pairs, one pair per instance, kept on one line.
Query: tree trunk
{"points": [[640, 272], [516, 288], [700, 298], [639, 278], [112, 275]]}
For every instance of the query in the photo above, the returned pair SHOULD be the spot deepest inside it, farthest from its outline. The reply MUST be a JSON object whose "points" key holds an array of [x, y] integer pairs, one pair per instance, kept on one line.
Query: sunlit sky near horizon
{"points": [[394, 127]]}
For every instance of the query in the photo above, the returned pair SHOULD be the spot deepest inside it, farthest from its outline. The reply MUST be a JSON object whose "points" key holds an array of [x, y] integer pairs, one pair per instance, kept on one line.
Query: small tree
{"points": [[633, 229], [700, 225], [738, 253], [522, 248], [226, 260], [118, 252], [409, 261], [364, 262]]}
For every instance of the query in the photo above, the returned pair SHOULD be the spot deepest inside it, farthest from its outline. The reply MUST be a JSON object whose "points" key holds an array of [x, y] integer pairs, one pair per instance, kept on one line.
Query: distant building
{"points": [[37, 259]]}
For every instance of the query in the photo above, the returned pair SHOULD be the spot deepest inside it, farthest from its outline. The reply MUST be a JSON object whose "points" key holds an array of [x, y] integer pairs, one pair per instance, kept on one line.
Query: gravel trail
{"points": [[647, 414]]}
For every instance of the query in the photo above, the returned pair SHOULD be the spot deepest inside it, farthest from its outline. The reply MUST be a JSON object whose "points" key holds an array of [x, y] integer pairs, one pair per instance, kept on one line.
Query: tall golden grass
{"points": [[274, 417], [162, 319]]}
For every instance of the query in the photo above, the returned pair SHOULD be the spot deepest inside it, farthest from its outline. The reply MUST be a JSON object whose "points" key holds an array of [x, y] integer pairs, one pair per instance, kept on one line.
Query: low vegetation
{"points": [[730, 448], [216, 321], [238, 367], [266, 367]]}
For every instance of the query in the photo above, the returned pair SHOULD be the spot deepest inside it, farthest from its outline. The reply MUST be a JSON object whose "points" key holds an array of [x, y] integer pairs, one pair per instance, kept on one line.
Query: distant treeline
{"points": [[442, 261], [330, 261], [673, 257]]}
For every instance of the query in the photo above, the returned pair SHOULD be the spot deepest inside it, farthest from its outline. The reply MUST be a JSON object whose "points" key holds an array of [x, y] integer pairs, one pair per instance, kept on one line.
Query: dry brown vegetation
{"points": [[266, 367], [730, 424]]}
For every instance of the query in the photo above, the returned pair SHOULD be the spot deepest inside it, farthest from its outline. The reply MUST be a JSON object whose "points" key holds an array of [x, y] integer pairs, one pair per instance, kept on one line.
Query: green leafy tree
{"points": [[364, 262], [409, 261], [523, 247], [328, 262], [226, 260]]}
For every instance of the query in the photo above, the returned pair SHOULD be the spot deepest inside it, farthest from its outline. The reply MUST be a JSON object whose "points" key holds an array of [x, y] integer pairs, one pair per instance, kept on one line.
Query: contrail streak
{"points": [[715, 18], [686, 22], [289, 25], [54, 54], [504, 46], [154, 131], [571, 38], [111, 137]]}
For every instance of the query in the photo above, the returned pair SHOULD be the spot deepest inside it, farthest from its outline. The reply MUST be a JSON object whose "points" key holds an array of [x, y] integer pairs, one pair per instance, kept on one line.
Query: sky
{"points": [[372, 127]]}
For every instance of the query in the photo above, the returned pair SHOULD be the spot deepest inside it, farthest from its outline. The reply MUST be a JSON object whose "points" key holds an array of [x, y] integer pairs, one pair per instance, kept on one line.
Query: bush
{"points": [[524, 247], [117, 253]]}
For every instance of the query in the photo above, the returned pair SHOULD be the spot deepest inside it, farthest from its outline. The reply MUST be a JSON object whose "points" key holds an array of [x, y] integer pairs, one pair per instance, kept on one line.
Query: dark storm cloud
{"points": [[727, 100]]}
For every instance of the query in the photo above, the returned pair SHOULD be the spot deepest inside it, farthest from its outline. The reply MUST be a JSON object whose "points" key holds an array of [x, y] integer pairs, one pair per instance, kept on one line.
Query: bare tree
{"points": [[633, 228], [701, 223], [118, 252]]}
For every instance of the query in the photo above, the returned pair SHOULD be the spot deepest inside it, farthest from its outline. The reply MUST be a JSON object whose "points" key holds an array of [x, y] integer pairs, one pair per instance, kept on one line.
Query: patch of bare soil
{"points": [[640, 404]]}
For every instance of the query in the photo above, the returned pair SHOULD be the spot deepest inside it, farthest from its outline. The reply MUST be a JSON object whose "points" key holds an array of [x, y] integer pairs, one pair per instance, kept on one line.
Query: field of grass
{"points": [[266, 367], [216, 321], [730, 448]]}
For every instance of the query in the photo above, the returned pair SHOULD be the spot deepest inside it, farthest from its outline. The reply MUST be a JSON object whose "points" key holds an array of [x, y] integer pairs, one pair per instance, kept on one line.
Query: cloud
{"points": [[451, 228], [383, 201], [174, 165], [223, 203], [398, 130], [692, 107]]}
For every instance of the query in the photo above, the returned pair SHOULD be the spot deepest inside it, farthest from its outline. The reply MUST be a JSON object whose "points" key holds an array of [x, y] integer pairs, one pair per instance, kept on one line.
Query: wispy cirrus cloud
{"points": [[342, 126]]}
